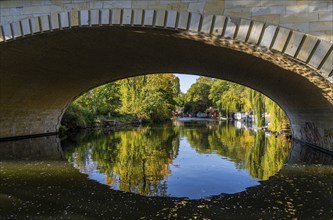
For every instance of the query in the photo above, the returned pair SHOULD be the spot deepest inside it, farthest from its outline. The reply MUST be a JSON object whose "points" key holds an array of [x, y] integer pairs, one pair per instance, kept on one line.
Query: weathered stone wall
{"points": [[308, 16], [312, 17]]}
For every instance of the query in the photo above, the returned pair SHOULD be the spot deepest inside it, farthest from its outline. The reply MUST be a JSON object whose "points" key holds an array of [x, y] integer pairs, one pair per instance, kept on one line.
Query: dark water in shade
{"points": [[144, 173]]}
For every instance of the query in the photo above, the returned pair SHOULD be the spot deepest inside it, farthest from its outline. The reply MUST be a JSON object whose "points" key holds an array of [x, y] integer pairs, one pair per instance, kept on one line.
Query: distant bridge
{"points": [[47, 61]]}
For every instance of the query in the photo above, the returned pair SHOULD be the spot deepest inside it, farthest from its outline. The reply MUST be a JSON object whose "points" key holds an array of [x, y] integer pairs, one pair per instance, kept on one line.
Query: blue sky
{"points": [[186, 81]]}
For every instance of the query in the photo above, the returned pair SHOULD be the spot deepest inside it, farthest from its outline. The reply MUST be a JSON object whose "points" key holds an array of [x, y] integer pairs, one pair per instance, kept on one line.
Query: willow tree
{"points": [[151, 97], [257, 101], [278, 119]]}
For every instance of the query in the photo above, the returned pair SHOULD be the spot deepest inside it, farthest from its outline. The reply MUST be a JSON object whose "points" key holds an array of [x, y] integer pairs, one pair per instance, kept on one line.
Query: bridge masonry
{"points": [[38, 106], [309, 16]]}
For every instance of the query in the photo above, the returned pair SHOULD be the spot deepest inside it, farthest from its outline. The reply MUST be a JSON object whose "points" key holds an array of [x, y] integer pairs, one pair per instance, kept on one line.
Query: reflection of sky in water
{"points": [[197, 175], [194, 175]]}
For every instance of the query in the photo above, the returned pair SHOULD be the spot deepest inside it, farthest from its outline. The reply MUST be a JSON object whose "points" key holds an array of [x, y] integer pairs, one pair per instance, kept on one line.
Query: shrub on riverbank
{"points": [[77, 117]]}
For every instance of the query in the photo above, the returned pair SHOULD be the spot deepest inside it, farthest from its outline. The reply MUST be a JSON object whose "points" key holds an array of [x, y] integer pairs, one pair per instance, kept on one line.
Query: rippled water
{"points": [[108, 175]]}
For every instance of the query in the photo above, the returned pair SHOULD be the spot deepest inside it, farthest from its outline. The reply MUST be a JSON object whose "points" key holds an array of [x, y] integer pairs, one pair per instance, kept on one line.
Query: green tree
{"points": [[149, 97], [198, 94], [258, 105], [152, 97], [278, 119]]}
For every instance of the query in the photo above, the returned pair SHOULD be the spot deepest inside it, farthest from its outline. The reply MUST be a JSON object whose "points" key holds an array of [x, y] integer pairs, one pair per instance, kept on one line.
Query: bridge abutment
{"points": [[17, 123], [314, 127]]}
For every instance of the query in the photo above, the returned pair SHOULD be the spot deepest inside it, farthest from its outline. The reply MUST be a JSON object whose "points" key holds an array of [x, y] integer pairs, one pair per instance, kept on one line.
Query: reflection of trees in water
{"points": [[134, 160], [261, 156], [138, 160]]}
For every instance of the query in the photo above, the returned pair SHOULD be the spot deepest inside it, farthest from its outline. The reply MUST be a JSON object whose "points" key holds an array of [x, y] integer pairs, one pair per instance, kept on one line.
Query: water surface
{"points": [[41, 178], [193, 159]]}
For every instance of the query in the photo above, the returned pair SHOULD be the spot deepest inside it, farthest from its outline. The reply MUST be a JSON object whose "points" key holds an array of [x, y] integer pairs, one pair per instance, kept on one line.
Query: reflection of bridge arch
{"points": [[49, 60]]}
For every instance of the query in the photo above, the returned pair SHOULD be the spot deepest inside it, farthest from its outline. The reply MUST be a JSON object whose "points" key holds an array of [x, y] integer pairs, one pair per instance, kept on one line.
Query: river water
{"points": [[187, 169]]}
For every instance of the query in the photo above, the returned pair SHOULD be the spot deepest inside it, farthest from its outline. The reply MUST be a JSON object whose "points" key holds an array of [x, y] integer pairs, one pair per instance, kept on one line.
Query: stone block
{"points": [[298, 18], [231, 27], [273, 19], [116, 16], [7, 32], [268, 35], [30, 10], [127, 16], [105, 16], [171, 19], [183, 20], [256, 30], [214, 7], [117, 4], [56, 9], [322, 6], [238, 12], [77, 6], [269, 19], [78, 1], [94, 17], [16, 29], [294, 43], [138, 17], [54, 20], [160, 18], [194, 22], [25, 27], [320, 53], [74, 16], [307, 8], [149, 17], [218, 25], [64, 20], [308, 2], [321, 26], [323, 35], [295, 9], [2, 37], [241, 3], [306, 48], [140, 4], [206, 26], [327, 66], [96, 4], [44, 23], [8, 4], [268, 10], [35, 28], [281, 39], [302, 27], [165, 5], [10, 19], [196, 7], [325, 16], [243, 29], [265, 3], [84, 17], [16, 11], [4, 12]]}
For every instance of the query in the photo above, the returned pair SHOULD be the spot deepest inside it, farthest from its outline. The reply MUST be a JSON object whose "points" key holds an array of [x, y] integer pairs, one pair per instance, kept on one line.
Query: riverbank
{"points": [[74, 123], [239, 124]]}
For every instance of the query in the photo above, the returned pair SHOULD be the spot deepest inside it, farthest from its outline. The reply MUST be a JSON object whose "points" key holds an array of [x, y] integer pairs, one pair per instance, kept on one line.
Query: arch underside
{"points": [[42, 74]]}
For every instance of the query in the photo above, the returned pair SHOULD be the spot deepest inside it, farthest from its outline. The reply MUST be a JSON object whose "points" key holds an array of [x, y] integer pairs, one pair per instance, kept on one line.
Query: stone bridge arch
{"points": [[48, 60]]}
